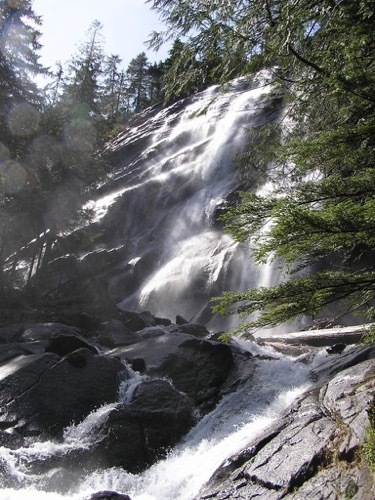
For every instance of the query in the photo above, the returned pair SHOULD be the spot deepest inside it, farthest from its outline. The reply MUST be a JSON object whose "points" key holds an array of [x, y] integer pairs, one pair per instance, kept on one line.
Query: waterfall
{"points": [[158, 207]]}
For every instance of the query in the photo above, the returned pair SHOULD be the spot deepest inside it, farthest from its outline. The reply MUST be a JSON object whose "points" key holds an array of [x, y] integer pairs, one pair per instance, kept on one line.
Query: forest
{"points": [[319, 156]]}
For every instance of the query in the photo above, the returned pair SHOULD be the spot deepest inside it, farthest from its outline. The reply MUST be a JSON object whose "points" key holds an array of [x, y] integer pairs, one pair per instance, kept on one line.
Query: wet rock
{"points": [[152, 331], [194, 365], [137, 321], [114, 333], [336, 349], [62, 343], [107, 495], [309, 453], [350, 357], [180, 320], [32, 332], [162, 321], [136, 434], [10, 351], [42, 394], [196, 329]]}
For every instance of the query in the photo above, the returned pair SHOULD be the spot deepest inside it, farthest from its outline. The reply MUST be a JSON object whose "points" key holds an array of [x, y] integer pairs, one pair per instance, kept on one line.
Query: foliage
{"points": [[138, 82]]}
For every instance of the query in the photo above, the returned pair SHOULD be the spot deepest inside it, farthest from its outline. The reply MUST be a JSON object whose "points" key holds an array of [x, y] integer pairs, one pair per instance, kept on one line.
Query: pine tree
{"points": [[114, 88], [82, 89], [18, 65], [138, 82], [19, 122]]}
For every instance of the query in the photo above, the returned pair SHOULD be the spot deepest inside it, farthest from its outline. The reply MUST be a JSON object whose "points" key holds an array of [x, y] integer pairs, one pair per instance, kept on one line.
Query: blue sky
{"points": [[126, 26]]}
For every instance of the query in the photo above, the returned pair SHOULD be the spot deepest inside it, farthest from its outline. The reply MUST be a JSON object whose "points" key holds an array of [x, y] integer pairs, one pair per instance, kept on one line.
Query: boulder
{"points": [[152, 331], [196, 367], [107, 495], [196, 329], [32, 332], [40, 394], [130, 435], [137, 434], [137, 321], [63, 342], [114, 333]]}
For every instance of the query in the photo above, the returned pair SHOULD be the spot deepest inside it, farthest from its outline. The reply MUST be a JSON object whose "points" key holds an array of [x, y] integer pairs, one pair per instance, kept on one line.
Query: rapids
{"points": [[229, 428]]}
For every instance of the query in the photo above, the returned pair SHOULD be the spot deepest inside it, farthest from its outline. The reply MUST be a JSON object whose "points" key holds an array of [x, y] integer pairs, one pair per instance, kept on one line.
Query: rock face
{"points": [[312, 452], [53, 375]]}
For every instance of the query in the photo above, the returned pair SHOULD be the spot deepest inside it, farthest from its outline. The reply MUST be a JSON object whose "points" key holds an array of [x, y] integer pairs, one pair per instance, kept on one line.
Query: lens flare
{"points": [[23, 119], [79, 135], [13, 176]]}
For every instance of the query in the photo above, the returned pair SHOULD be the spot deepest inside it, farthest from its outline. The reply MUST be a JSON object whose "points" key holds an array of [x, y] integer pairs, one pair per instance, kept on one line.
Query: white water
{"points": [[238, 419], [174, 170]]}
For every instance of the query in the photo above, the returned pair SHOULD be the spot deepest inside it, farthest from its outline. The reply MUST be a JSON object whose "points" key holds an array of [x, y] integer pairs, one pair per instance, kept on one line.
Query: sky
{"points": [[127, 24]]}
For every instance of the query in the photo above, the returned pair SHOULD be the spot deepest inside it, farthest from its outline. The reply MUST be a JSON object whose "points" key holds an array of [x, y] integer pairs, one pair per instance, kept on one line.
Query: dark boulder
{"points": [[152, 331], [196, 329], [62, 343], [137, 321], [107, 495], [33, 332], [194, 365], [132, 435], [336, 349], [162, 321], [40, 394], [137, 434], [114, 333], [180, 320]]}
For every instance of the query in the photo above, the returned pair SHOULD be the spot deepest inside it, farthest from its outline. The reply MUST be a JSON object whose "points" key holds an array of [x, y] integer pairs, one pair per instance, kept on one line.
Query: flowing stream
{"points": [[230, 427]]}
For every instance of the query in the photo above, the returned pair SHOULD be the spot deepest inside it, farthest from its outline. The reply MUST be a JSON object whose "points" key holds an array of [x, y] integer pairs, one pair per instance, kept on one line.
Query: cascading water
{"points": [[238, 419], [174, 171]]}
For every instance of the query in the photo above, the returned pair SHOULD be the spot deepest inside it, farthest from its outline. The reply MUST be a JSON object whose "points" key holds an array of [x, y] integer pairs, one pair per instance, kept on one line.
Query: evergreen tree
{"points": [[113, 87], [138, 82], [156, 73], [18, 65], [83, 87], [19, 121]]}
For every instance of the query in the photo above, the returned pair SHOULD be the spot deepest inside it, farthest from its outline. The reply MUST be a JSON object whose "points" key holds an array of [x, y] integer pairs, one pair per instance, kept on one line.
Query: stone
{"points": [[196, 329], [42, 394], [194, 365], [136, 434], [107, 495], [310, 452], [137, 321], [62, 343], [336, 349], [114, 333], [152, 331]]}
